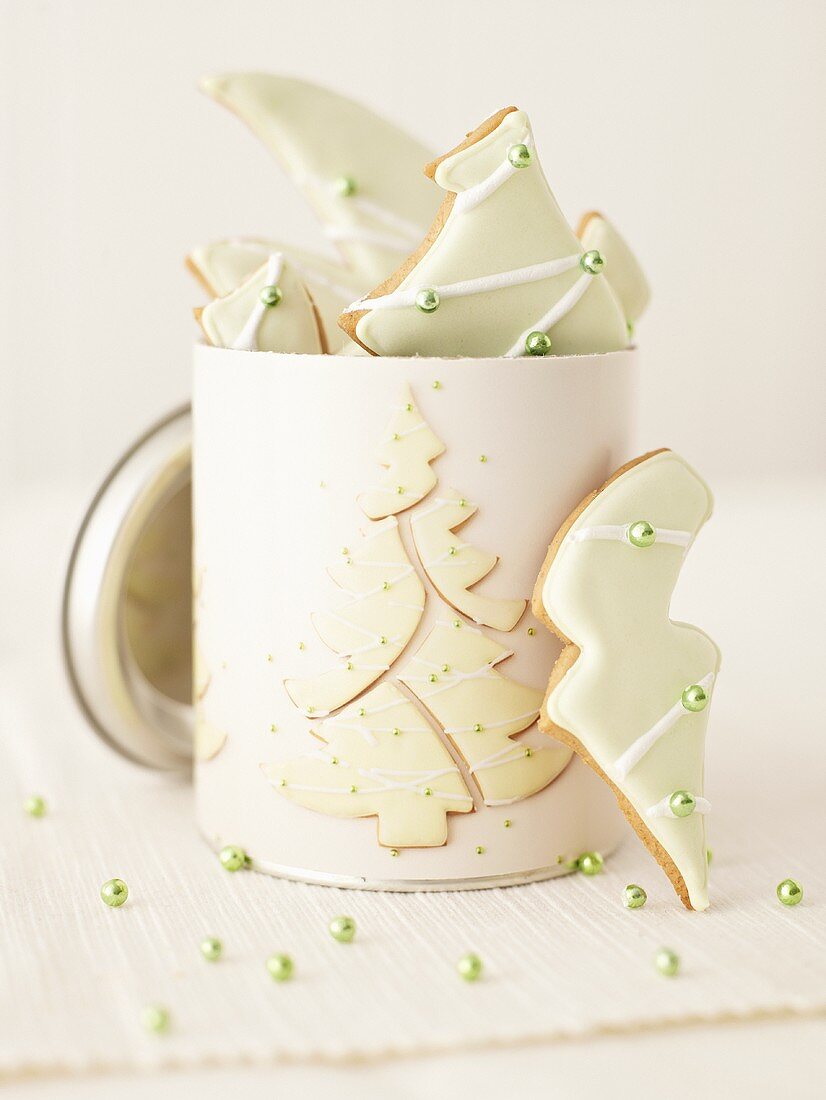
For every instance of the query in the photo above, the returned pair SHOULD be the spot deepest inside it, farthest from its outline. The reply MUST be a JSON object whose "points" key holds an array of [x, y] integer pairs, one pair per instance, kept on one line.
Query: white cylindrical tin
{"points": [[283, 445]]}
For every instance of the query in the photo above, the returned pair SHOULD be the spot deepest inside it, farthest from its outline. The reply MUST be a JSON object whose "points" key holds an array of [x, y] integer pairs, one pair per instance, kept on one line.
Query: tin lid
{"points": [[127, 601]]}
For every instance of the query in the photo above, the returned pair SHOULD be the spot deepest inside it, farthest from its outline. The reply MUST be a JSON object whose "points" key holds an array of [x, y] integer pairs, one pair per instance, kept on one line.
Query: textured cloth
{"points": [[562, 958]]}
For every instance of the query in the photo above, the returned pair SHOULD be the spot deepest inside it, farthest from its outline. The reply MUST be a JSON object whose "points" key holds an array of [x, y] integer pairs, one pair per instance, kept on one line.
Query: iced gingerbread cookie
{"points": [[622, 269], [501, 272], [270, 311], [223, 266], [360, 174], [630, 690]]}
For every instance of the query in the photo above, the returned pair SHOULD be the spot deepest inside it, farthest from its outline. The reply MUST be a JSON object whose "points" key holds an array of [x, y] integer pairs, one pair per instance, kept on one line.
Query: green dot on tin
{"points": [[590, 863], [35, 805], [537, 343], [789, 892], [345, 186], [280, 967], [270, 296], [114, 892], [634, 897], [667, 962], [682, 803], [642, 534], [428, 300], [232, 857], [694, 698], [155, 1018], [211, 948], [592, 262], [470, 967], [519, 155], [343, 929]]}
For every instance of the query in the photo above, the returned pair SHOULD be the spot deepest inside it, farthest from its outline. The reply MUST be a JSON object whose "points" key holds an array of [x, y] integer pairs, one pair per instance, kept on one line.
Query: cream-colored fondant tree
{"points": [[382, 754]]}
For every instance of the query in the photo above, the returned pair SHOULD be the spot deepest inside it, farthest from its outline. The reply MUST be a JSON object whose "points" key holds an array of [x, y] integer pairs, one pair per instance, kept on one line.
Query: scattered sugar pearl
{"points": [[507, 823], [590, 863], [437, 385], [480, 850], [634, 897], [233, 858], [483, 458], [343, 929], [789, 892], [35, 805], [155, 1018], [273, 727], [114, 892], [394, 852], [531, 631], [211, 948], [667, 962], [280, 967], [470, 967]]}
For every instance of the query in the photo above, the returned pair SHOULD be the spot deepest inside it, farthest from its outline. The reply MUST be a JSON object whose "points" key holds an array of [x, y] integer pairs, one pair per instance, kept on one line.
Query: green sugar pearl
{"points": [[682, 803], [280, 967], [470, 967], [343, 929], [345, 186], [211, 948], [155, 1018], [35, 806], [642, 534], [232, 857], [519, 155], [634, 897], [789, 892], [537, 343], [427, 300], [114, 892], [270, 296], [592, 262], [667, 962], [590, 863], [694, 698]]}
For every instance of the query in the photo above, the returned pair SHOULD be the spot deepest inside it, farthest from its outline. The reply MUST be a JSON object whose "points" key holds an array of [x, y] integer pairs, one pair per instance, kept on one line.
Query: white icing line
{"points": [[557, 311], [637, 750], [507, 755], [467, 200], [247, 338], [486, 726], [619, 533], [663, 807], [519, 276]]}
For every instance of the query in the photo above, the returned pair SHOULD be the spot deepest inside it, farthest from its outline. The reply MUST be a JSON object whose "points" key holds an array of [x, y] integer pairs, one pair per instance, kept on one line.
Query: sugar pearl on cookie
{"points": [[519, 155], [270, 296], [537, 343], [642, 534], [682, 803], [592, 262], [789, 892], [427, 300], [155, 1018], [667, 962], [345, 186], [694, 698]]}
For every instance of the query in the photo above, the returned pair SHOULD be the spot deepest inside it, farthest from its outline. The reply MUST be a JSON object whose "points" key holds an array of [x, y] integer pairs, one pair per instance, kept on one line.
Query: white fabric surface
{"points": [[563, 958]]}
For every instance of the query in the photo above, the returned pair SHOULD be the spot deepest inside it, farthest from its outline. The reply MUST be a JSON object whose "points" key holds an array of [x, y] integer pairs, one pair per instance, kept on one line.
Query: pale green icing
{"points": [[518, 225], [622, 269], [612, 600]]}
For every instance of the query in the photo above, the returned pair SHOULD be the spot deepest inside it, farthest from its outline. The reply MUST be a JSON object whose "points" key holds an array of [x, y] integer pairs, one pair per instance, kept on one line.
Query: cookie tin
{"points": [[127, 604]]}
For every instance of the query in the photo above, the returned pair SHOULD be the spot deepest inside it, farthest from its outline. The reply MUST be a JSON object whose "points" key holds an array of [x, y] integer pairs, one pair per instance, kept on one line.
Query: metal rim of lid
{"points": [[124, 710]]}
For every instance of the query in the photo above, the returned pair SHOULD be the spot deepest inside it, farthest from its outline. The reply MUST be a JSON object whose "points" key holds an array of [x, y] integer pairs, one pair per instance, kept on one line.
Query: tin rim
{"points": [[119, 705]]}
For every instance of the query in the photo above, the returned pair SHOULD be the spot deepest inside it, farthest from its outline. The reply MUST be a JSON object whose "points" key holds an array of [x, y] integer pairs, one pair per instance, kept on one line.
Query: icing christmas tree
{"points": [[381, 754], [501, 272], [630, 691]]}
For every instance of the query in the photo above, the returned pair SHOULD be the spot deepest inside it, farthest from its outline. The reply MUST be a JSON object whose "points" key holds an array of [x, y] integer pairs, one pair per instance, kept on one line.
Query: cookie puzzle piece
{"points": [[361, 174], [622, 269], [630, 690], [270, 311], [501, 272]]}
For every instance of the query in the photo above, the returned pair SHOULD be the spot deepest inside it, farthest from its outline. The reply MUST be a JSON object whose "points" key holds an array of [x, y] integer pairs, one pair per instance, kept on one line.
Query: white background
{"points": [[697, 127]]}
